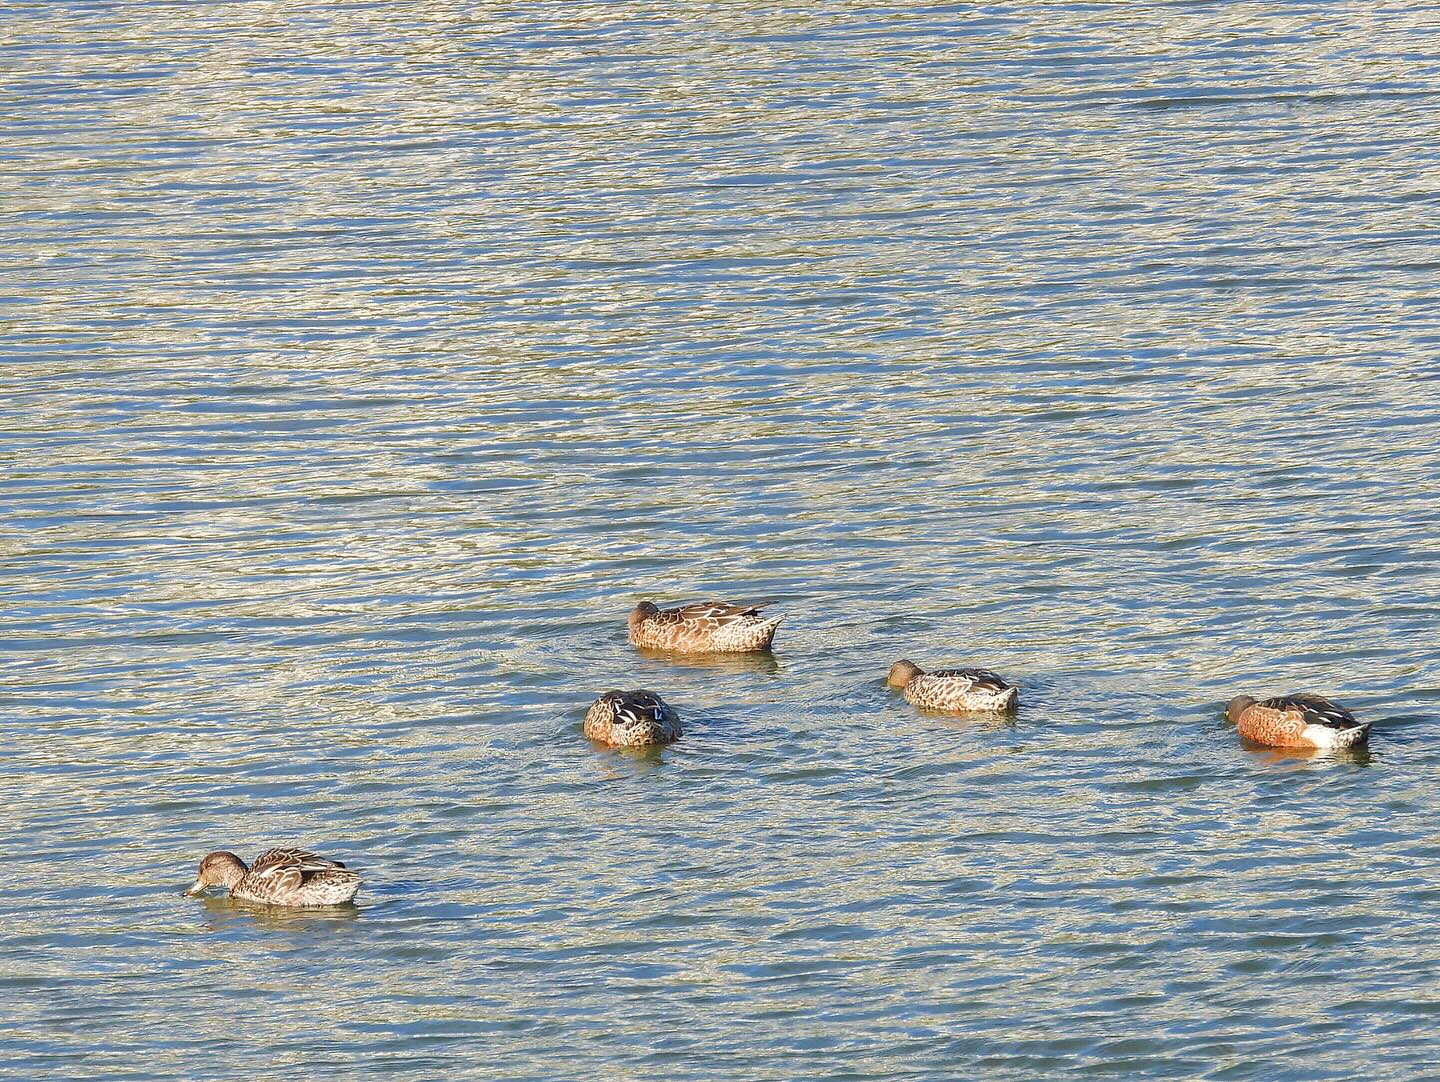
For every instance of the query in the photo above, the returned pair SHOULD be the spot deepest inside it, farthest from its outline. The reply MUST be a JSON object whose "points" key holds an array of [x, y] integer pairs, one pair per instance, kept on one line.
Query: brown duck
{"points": [[632, 719], [957, 691], [705, 627], [293, 877]]}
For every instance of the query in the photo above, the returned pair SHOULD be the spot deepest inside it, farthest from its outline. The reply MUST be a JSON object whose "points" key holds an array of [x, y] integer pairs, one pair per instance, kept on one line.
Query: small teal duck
{"points": [[1296, 721], [293, 877], [957, 691], [706, 627], [632, 719]]}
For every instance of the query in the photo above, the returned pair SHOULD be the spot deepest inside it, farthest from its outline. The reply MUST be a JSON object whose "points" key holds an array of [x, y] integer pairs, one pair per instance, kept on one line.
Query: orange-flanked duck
{"points": [[632, 719], [1296, 721], [957, 691], [706, 627]]}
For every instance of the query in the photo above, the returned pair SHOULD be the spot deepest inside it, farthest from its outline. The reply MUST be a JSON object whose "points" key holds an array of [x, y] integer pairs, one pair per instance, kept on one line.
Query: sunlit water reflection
{"points": [[366, 364]]}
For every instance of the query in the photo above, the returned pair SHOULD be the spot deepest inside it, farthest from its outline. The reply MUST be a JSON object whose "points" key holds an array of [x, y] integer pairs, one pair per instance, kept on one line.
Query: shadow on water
{"points": [[1295, 757], [971, 722], [625, 762], [224, 913], [756, 661]]}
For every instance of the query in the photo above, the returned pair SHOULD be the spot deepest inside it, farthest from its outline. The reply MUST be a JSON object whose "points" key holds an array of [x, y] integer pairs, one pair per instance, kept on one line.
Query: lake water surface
{"points": [[365, 363]]}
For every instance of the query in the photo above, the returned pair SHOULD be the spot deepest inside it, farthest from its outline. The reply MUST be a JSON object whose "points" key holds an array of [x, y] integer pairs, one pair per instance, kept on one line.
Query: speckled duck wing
{"points": [[290, 857], [709, 626], [632, 719], [962, 690], [328, 886], [1301, 721], [297, 877]]}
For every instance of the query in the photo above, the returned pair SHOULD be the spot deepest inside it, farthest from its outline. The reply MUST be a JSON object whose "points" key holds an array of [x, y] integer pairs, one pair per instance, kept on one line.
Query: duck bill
{"points": [[197, 887]]}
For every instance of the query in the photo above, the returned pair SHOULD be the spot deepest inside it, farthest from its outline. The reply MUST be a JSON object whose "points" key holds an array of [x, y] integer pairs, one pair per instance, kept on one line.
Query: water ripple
{"points": [[368, 362]]}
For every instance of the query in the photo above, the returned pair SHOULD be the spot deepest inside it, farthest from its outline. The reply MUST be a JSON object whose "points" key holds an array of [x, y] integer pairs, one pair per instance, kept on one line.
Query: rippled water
{"points": [[367, 362]]}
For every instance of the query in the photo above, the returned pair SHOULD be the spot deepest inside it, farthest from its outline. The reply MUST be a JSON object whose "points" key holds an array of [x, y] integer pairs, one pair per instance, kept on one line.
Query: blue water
{"points": [[366, 363]]}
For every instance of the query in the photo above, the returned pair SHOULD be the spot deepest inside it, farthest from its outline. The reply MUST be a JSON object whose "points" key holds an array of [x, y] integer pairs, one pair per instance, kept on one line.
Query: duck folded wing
{"points": [[275, 881], [638, 708], [1312, 710], [716, 612], [977, 679], [302, 860]]}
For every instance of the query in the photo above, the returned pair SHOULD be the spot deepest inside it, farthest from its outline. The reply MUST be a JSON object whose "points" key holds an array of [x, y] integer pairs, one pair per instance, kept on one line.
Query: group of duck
{"points": [[637, 718]]}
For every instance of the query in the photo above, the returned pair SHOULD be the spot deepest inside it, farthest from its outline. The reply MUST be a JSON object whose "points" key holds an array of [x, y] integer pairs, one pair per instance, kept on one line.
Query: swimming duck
{"points": [[294, 877], [631, 719], [1296, 721], [702, 628], [955, 690]]}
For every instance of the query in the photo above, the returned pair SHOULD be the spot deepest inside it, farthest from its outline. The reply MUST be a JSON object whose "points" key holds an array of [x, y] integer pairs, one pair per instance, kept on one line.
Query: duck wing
{"points": [[635, 707], [1313, 710], [284, 869], [715, 613], [978, 678]]}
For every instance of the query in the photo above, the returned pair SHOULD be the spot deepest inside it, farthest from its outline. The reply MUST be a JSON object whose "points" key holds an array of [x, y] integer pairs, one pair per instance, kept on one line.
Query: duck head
{"points": [[1237, 706], [640, 612], [902, 672], [218, 869]]}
